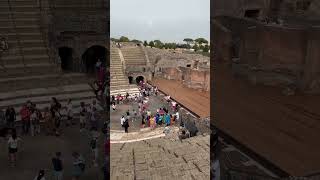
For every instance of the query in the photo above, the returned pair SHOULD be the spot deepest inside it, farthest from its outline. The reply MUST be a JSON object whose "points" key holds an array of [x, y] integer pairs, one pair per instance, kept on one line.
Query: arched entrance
{"points": [[65, 54], [139, 79], [130, 79], [91, 56]]}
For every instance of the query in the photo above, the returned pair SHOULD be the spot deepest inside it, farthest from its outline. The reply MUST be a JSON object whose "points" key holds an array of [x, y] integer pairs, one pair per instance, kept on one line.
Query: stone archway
{"points": [[140, 79], [130, 79], [66, 57], [91, 56]]}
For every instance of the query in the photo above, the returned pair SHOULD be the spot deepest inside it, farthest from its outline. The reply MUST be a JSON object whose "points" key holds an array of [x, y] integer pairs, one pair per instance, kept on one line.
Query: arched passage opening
{"points": [[91, 55], [139, 79], [66, 58], [130, 79]]}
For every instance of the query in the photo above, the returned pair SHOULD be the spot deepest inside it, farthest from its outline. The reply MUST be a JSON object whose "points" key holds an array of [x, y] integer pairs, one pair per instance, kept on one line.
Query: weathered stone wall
{"points": [[237, 8], [278, 55], [222, 42], [86, 23]]}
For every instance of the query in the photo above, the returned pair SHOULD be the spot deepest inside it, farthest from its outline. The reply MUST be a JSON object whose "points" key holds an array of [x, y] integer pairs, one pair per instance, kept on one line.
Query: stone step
{"points": [[17, 70], [6, 15], [25, 36], [20, 8], [17, 3], [18, 102], [30, 55], [43, 91], [19, 22], [26, 43], [42, 81], [20, 29]]}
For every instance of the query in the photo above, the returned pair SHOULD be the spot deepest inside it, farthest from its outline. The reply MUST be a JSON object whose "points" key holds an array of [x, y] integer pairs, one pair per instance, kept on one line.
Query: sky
{"points": [[166, 20]]}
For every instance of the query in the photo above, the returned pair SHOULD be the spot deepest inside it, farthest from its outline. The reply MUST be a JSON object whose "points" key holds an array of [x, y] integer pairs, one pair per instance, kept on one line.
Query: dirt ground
{"points": [[283, 129], [196, 101]]}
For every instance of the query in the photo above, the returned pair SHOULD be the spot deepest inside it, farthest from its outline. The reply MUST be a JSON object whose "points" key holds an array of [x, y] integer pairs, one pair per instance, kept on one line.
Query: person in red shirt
{"points": [[25, 117]]}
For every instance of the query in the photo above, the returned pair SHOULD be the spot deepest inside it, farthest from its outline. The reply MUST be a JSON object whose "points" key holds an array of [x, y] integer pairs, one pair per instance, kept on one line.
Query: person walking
{"points": [[57, 167], [126, 125], [25, 117], [13, 148], [10, 117], [78, 166], [94, 146], [83, 113]]}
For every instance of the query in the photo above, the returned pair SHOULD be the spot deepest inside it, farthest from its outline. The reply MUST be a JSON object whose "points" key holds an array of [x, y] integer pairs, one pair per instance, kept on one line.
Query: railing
{"points": [[17, 35]]}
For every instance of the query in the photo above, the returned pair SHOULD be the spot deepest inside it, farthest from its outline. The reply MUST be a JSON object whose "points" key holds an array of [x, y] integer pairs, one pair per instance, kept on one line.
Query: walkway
{"points": [[198, 102]]}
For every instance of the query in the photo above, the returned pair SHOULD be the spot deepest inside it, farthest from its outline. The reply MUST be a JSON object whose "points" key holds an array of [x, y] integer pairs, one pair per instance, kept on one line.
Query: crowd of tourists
{"points": [[166, 115], [49, 121]]}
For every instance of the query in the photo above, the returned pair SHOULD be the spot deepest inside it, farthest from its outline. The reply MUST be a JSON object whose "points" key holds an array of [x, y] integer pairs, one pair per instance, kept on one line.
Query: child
{"points": [[13, 148]]}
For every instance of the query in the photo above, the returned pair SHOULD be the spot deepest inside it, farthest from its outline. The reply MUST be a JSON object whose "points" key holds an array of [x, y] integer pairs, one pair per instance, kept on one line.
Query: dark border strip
{"points": [[255, 156]]}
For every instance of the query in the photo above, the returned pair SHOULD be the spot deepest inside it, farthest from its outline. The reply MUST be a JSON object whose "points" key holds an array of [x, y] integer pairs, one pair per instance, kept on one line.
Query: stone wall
{"points": [[237, 8], [86, 23], [276, 55]]}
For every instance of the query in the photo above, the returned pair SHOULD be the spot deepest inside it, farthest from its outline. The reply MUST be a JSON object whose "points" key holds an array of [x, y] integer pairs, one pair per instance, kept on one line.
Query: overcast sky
{"points": [[166, 20]]}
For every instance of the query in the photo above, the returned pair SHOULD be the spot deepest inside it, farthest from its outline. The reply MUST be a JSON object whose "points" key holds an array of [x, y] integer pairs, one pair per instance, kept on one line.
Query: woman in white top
{"points": [[13, 148]]}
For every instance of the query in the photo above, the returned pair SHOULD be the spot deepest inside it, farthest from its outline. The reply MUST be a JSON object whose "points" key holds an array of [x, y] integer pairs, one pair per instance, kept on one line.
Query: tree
{"points": [[158, 44], [206, 48], [124, 39], [136, 41], [188, 40], [114, 39], [145, 43], [201, 41], [195, 47], [151, 44]]}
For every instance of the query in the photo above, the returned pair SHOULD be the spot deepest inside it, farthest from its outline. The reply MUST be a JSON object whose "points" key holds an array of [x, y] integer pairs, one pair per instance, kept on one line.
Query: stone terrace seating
{"points": [[134, 56], [162, 158]]}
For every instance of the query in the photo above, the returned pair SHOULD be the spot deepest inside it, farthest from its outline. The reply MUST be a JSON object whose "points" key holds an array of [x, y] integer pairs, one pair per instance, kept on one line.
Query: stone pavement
{"points": [[161, 159]]}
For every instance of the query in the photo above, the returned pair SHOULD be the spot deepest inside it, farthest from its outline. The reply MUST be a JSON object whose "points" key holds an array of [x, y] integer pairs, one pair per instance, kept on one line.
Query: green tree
{"points": [[158, 44], [124, 39], [114, 39], [188, 40], [136, 41], [201, 41], [145, 43], [195, 47], [206, 48], [151, 44]]}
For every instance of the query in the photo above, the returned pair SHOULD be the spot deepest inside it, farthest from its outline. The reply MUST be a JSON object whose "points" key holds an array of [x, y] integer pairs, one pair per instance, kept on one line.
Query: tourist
{"points": [[167, 119], [126, 125], [25, 117], [57, 121], [122, 120], [152, 122], [128, 114], [93, 118], [78, 166], [98, 65], [83, 113], [13, 148], [69, 108], [10, 117], [38, 121], [113, 106], [94, 145], [48, 121], [134, 112], [183, 135], [40, 175], [142, 120], [57, 167], [33, 121]]}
